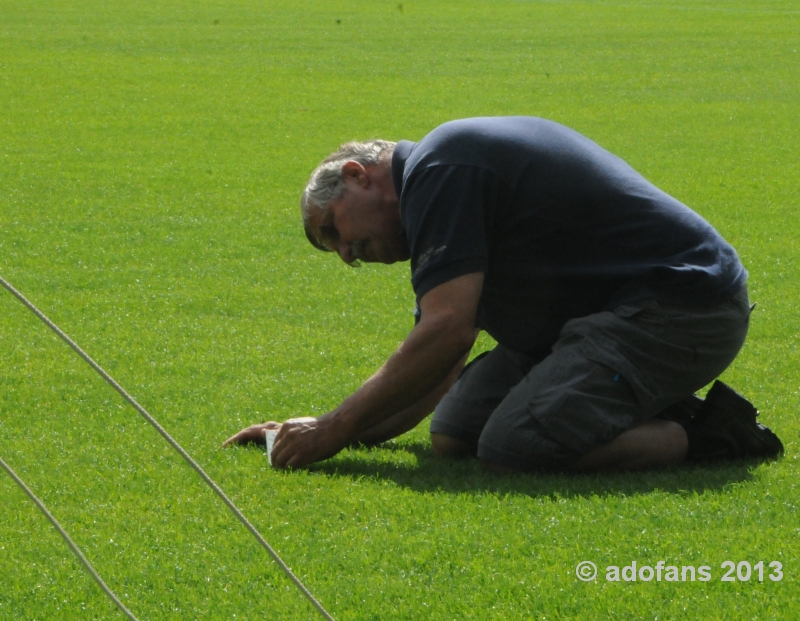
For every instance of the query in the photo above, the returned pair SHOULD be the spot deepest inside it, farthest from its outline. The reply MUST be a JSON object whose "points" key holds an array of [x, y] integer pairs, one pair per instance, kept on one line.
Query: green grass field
{"points": [[151, 159]]}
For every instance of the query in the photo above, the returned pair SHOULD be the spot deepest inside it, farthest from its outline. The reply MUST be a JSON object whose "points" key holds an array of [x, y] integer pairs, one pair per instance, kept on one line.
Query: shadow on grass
{"points": [[422, 471]]}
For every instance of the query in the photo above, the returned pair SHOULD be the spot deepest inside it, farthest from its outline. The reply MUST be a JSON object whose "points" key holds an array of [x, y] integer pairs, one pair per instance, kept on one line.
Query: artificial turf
{"points": [[151, 157]]}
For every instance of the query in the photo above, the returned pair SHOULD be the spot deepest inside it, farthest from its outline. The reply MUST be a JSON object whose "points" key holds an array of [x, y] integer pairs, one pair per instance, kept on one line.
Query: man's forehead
{"points": [[320, 221], [316, 221], [322, 217], [316, 217]]}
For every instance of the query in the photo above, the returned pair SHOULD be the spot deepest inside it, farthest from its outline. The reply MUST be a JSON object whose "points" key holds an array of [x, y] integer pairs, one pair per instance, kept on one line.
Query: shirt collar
{"points": [[402, 151]]}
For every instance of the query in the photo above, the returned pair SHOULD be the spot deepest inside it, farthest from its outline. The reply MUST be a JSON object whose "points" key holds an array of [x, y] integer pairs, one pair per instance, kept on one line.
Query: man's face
{"points": [[362, 224]]}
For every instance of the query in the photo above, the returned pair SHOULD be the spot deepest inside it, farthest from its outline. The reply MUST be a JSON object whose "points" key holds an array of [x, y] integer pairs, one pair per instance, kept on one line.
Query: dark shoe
{"points": [[683, 412], [725, 427]]}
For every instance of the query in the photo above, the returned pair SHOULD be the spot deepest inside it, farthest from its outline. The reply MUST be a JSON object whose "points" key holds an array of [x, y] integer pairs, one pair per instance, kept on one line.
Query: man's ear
{"points": [[356, 172]]}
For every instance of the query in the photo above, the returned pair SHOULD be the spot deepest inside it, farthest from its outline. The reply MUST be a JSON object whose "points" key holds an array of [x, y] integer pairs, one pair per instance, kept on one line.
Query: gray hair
{"points": [[327, 182]]}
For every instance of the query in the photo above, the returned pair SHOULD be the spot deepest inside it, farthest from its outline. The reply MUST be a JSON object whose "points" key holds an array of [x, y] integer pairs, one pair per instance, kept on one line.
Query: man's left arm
{"points": [[443, 336]]}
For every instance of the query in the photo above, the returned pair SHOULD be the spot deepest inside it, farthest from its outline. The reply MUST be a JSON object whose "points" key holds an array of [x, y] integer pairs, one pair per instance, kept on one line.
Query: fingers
{"points": [[283, 447], [292, 442], [239, 438], [304, 441], [253, 433], [230, 441]]}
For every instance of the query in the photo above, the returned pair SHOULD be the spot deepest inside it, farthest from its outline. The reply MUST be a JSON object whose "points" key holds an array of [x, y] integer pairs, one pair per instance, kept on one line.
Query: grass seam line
{"points": [[180, 450], [73, 546]]}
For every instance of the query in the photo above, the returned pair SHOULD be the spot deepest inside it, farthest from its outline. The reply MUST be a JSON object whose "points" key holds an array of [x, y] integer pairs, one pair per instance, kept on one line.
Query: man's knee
{"points": [[446, 446]]}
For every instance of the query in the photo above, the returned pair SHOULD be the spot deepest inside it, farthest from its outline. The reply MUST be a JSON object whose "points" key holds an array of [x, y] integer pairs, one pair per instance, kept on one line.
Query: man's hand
{"points": [[300, 441], [253, 433], [303, 441]]}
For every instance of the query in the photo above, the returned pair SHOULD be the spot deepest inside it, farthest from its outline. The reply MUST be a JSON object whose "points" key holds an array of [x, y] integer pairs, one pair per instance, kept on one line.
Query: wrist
{"points": [[341, 425]]}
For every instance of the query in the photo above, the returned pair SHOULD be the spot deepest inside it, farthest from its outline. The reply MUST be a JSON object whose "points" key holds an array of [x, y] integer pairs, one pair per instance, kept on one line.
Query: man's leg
{"points": [[461, 415], [654, 444], [445, 446], [588, 404]]}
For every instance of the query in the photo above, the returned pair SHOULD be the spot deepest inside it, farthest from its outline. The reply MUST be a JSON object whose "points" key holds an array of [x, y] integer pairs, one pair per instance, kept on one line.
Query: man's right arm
{"points": [[417, 370], [413, 415]]}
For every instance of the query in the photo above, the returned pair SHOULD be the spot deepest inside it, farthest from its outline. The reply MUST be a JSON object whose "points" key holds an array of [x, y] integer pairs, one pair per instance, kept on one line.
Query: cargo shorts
{"points": [[607, 373]]}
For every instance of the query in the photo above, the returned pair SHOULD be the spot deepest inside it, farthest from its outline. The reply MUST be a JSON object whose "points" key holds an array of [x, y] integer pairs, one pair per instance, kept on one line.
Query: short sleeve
{"points": [[444, 213]]}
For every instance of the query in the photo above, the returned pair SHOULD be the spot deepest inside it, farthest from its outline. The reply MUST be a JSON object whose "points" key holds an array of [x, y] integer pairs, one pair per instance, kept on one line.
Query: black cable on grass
{"points": [[209, 481], [69, 541]]}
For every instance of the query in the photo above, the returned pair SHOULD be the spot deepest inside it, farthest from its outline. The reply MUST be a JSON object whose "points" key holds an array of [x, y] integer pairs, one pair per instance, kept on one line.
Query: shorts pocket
{"points": [[595, 409], [597, 349]]}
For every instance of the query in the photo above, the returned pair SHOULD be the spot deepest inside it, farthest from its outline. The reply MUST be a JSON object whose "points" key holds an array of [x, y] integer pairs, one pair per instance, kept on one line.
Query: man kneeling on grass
{"points": [[611, 303]]}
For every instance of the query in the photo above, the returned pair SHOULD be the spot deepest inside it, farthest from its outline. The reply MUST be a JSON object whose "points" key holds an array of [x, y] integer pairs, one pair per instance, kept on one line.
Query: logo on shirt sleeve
{"points": [[428, 255]]}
